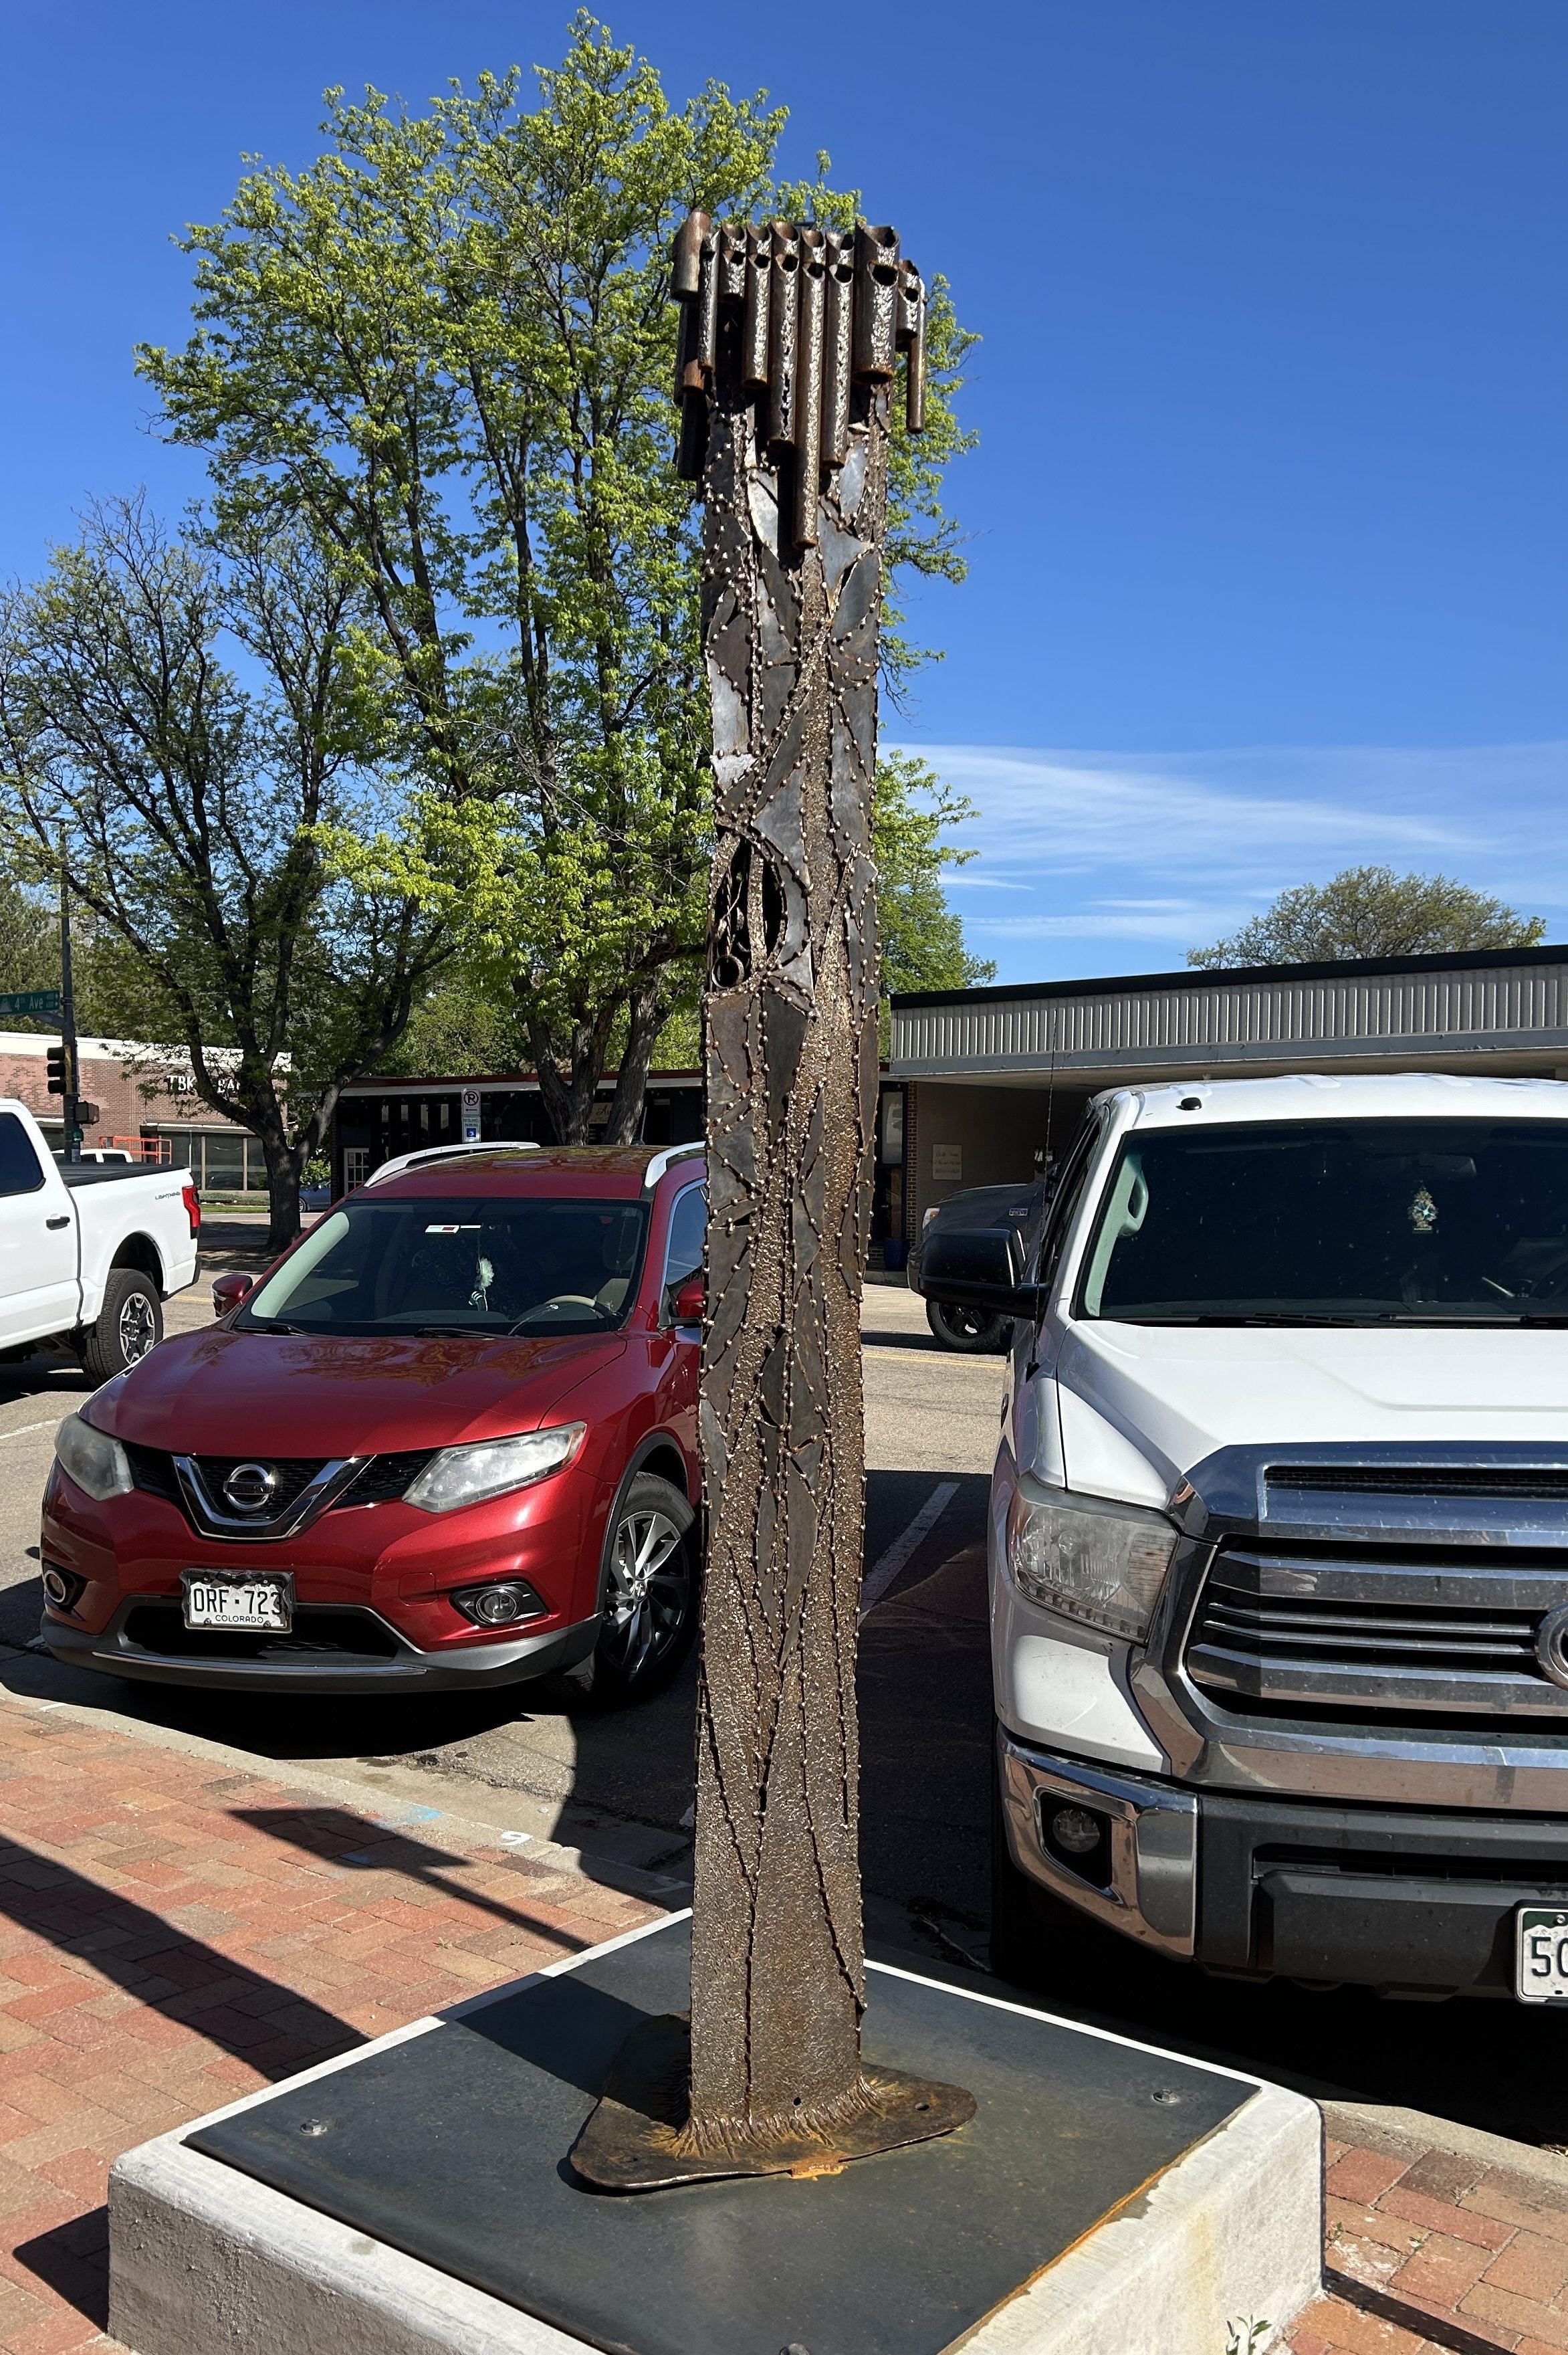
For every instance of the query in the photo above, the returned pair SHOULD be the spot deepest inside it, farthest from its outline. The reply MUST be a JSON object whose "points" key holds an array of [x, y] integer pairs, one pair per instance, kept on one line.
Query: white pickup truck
{"points": [[87, 1253], [1279, 1539]]}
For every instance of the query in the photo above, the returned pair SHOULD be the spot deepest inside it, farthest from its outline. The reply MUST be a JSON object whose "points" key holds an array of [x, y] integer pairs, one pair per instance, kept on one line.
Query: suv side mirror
{"points": [[686, 1301], [228, 1291], [979, 1268]]}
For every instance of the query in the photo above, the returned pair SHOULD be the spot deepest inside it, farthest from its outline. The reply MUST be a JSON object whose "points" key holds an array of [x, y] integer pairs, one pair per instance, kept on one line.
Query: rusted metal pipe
{"points": [[783, 314], [814, 287], [706, 304], [876, 302], [687, 256], [911, 341], [838, 360], [755, 343], [804, 354]]}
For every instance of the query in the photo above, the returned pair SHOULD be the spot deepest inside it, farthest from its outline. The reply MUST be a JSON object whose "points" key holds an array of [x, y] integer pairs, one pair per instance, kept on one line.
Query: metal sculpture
{"points": [[789, 344]]}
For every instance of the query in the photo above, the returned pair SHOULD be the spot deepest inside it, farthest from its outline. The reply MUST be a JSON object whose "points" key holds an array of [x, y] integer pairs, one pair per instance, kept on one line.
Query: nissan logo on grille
{"points": [[249, 1486]]}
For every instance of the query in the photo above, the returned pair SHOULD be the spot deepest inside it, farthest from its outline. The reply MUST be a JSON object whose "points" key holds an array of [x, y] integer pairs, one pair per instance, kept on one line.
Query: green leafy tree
{"points": [[196, 812], [459, 1029], [29, 948], [463, 1026], [922, 937], [1371, 912], [448, 346]]}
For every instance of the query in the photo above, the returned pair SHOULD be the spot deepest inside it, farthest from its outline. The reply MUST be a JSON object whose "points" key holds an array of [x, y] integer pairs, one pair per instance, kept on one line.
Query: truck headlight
{"points": [[1101, 1563], [489, 1467], [94, 1461]]}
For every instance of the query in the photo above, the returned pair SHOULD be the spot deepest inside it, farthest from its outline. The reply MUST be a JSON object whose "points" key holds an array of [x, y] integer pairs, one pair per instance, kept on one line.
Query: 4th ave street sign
{"points": [[30, 1001]]}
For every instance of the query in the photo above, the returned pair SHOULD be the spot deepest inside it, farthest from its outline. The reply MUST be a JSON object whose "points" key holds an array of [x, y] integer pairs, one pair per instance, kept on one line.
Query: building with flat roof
{"points": [[378, 1118], [146, 1102], [992, 1082]]}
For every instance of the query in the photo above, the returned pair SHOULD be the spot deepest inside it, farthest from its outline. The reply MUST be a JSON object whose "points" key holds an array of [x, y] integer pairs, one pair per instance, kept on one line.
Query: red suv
{"points": [[449, 1441]]}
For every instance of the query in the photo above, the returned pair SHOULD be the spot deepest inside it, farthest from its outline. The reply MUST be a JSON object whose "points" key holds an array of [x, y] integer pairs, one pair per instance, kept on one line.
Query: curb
{"points": [[208, 2260], [1410, 2133]]}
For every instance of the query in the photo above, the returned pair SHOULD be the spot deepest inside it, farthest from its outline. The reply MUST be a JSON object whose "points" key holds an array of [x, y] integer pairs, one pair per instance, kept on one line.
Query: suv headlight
{"points": [[489, 1467], [1101, 1563], [93, 1460]]}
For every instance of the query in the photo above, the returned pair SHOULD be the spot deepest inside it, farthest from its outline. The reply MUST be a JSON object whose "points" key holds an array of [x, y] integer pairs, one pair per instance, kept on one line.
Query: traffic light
{"points": [[88, 1114], [62, 1061]]}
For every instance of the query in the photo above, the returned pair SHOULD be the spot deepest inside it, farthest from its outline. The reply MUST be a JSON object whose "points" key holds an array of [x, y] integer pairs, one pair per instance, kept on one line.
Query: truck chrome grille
{"points": [[1380, 1632]]}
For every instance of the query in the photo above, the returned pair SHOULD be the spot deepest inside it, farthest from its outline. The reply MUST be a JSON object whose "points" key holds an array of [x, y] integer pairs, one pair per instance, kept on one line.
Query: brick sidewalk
{"points": [[173, 1934], [1441, 2248]]}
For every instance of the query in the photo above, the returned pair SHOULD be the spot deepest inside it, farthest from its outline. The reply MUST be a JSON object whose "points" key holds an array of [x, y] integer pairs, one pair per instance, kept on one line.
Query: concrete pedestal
{"points": [[414, 2198]]}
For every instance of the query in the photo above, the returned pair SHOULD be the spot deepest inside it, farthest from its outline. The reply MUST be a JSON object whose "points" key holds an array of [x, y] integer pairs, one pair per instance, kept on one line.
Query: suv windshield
{"points": [[487, 1265], [1339, 1222]]}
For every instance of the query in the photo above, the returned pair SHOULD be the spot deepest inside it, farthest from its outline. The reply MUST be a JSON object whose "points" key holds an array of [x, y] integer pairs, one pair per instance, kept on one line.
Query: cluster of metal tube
{"points": [[803, 318]]}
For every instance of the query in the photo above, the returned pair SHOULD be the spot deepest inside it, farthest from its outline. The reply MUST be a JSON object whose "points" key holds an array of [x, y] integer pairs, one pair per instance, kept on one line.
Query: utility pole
{"points": [[792, 340], [67, 1020]]}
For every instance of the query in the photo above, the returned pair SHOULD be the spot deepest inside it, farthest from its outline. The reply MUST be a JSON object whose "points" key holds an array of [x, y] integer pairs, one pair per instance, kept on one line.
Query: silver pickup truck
{"points": [[1279, 1539], [89, 1251]]}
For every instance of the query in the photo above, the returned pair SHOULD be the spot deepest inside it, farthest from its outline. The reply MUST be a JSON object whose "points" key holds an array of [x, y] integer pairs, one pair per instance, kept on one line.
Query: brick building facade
{"points": [[146, 1102]]}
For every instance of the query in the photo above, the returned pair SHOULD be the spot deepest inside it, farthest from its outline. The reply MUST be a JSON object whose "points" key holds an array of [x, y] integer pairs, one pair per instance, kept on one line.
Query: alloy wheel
{"points": [[138, 1326], [648, 1595]]}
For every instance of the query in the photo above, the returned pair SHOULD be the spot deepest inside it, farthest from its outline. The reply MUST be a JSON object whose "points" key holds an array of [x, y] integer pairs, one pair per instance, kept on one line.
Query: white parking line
{"points": [[53, 1423], [887, 1567]]}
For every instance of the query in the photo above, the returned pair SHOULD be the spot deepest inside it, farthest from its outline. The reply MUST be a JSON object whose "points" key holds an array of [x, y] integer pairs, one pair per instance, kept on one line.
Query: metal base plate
{"points": [[453, 2147], [635, 2140]]}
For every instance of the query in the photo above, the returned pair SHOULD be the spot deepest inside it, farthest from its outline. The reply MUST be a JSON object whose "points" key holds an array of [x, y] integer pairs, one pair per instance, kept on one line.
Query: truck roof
{"points": [[1322, 1095]]}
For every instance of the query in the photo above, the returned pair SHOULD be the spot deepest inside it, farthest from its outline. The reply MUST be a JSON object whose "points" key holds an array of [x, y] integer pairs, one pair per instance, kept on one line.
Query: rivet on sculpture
{"points": [[789, 341]]}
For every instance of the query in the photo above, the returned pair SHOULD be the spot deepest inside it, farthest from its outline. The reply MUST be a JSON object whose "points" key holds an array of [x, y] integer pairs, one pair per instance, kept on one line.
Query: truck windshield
{"points": [[486, 1266], [1366, 1221]]}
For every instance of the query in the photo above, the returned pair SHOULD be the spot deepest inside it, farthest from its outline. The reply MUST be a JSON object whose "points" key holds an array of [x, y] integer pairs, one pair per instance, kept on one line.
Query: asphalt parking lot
{"points": [[619, 1787]]}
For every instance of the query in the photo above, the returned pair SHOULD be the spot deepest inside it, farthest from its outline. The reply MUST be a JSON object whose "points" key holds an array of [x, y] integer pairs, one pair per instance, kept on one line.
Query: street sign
{"points": [[30, 1001], [471, 1116]]}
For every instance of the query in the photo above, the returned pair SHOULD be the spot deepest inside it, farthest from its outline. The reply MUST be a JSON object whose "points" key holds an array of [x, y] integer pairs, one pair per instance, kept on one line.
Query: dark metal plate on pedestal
{"points": [[454, 2148]]}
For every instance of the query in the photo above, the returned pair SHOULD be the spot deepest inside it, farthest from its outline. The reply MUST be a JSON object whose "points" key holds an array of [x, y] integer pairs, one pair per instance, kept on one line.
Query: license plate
{"points": [[264, 1604], [1540, 1954]]}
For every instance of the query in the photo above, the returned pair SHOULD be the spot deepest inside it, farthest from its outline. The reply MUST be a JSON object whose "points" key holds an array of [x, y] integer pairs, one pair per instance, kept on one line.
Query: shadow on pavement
{"points": [[73, 2261], [170, 1971], [338, 1837]]}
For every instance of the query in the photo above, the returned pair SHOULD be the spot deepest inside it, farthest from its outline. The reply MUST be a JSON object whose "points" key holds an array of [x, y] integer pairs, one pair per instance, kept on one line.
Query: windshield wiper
{"points": [[1264, 1317], [1285, 1317], [270, 1325]]}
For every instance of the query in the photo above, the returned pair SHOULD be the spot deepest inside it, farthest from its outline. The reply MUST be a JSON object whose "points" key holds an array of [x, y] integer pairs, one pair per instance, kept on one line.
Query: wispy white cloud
{"points": [[1179, 848]]}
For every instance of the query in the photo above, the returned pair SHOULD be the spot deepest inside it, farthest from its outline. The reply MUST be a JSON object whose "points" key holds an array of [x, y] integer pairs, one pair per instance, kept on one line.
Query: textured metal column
{"points": [[793, 474]]}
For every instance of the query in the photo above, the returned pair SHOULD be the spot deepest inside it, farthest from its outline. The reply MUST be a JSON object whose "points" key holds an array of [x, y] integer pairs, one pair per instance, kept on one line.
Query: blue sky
{"points": [[1268, 527]]}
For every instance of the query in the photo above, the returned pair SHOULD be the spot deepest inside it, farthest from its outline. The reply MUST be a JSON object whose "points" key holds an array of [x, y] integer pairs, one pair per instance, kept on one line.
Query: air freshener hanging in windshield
{"points": [[1423, 1212]]}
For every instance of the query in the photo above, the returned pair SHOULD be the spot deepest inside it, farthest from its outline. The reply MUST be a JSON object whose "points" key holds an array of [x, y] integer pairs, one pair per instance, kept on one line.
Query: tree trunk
{"points": [[568, 1099], [283, 1187], [646, 1018]]}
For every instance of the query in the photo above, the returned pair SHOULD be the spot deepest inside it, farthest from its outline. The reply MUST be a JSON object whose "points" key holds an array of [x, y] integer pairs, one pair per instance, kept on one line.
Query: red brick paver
{"points": [[1444, 2241], [174, 1935]]}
